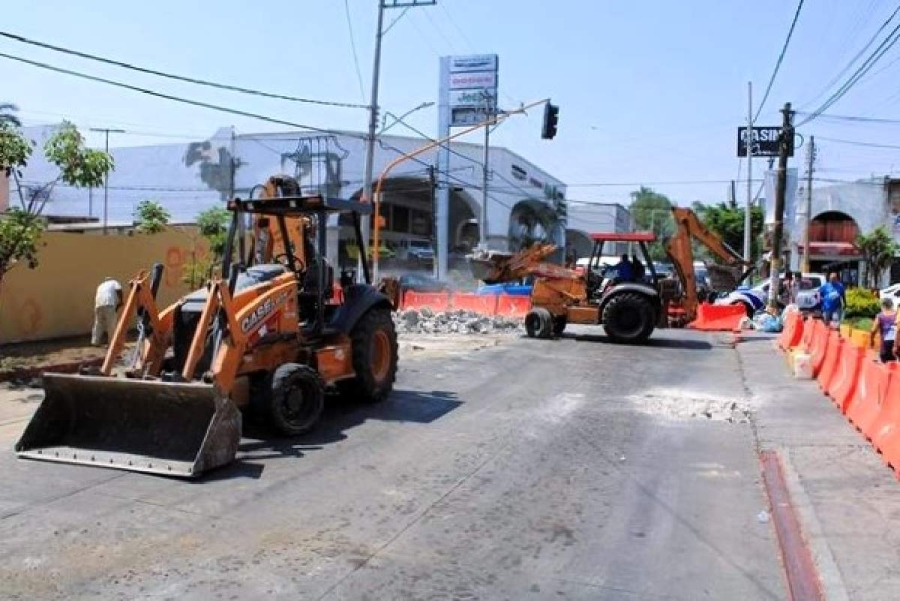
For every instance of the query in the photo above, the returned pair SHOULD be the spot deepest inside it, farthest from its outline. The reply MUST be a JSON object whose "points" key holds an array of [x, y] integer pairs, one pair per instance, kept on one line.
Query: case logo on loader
{"points": [[262, 312]]}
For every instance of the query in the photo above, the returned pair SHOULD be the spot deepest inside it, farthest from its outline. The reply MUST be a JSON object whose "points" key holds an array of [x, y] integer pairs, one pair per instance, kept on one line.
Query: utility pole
{"points": [[787, 136], [432, 188], [810, 162], [748, 220], [373, 112], [486, 174], [106, 131]]}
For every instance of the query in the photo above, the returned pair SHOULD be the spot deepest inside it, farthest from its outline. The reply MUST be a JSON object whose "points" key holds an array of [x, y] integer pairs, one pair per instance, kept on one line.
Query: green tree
{"points": [[652, 211], [8, 115], [878, 249], [728, 222], [151, 217], [21, 227], [213, 226]]}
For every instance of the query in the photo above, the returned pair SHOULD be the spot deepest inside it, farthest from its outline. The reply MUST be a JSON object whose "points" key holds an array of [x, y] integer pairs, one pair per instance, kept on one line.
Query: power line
{"points": [[362, 91], [198, 103], [858, 143], [853, 118], [856, 57], [784, 48], [193, 80], [864, 68]]}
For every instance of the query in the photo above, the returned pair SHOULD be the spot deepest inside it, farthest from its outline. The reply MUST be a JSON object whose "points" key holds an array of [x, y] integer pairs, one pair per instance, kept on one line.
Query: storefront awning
{"points": [[832, 249]]}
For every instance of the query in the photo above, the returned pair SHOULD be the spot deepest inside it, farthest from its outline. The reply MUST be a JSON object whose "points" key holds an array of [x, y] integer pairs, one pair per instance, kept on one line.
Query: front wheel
{"points": [[374, 343], [628, 318], [539, 323], [296, 399]]}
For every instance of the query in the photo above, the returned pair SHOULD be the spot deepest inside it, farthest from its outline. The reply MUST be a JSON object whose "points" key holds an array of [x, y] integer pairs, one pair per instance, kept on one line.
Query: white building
{"points": [[524, 201]]}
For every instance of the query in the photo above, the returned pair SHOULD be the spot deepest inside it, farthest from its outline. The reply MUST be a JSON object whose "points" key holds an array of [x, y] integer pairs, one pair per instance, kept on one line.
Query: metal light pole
{"points": [[373, 114], [748, 221], [483, 221], [106, 131], [811, 158]]}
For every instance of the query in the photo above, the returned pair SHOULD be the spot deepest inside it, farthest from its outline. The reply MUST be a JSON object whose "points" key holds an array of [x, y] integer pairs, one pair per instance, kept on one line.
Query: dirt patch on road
{"points": [[678, 404]]}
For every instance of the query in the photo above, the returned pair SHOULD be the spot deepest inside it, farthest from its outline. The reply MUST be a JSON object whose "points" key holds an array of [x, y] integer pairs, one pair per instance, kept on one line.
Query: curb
{"points": [[29, 373]]}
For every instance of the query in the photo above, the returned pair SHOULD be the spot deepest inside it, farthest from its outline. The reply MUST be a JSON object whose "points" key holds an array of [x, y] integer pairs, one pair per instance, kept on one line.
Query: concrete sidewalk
{"points": [[847, 500]]}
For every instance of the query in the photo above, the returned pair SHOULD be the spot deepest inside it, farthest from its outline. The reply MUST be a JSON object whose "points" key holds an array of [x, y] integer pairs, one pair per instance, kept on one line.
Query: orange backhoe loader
{"points": [[628, 310], [269, 336]]}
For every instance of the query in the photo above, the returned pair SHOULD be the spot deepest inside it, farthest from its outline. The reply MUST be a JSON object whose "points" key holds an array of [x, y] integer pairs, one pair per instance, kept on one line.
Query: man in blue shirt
{"points": [[624, 271], [833, 300]]}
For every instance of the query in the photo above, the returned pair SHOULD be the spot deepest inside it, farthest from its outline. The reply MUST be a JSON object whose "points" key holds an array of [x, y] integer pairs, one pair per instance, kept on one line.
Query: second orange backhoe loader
{"points": [[268, 336], [628, 310]]}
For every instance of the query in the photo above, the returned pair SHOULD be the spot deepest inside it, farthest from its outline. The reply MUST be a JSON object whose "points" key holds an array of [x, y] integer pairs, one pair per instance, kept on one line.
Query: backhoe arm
{"points": [[687, 227]]}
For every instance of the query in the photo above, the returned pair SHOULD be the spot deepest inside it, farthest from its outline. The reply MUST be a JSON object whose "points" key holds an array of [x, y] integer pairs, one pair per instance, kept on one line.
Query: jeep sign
{"points": [[764, 142]]}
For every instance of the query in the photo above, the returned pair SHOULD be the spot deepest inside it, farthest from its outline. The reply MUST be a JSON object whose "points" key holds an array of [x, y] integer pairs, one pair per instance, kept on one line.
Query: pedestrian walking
{"points": [[834, 298], [107, 301], [886, 324]]}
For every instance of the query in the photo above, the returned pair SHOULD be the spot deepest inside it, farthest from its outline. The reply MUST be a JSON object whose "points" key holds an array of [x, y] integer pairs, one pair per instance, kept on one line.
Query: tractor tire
{"points": [[628, 318], [539, 323], [559, 325], [374, 343], [296, 399]]}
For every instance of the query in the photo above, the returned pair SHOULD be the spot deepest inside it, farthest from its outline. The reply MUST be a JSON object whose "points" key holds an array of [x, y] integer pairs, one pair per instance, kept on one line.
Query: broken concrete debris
{"points": [[426, 321]]}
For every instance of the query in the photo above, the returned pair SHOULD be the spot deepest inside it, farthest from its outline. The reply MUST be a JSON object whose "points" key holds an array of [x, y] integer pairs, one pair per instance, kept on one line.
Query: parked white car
{"points": [[892, 292], [755, 299]]}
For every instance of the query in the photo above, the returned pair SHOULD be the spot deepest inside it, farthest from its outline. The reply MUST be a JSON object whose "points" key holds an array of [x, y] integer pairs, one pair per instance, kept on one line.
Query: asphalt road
{"points": [[568, 469]]}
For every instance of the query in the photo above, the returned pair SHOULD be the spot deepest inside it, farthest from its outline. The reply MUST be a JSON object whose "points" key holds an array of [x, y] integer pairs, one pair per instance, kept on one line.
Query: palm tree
{"points": [[8, 116]]}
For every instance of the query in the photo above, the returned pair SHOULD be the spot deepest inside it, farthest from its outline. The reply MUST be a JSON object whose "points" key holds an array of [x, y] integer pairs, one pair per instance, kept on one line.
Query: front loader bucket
{"points": [[176, 429]]}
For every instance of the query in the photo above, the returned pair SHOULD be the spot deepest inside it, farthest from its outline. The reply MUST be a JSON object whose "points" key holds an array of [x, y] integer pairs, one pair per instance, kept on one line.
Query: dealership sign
{"points": [[763, 143], [471, 88]]}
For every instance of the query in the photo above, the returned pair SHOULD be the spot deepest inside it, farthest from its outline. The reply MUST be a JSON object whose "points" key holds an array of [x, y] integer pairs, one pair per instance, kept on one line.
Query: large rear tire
{"points": [[374, 342], [628, 318], [539, 323], [296, 400]]}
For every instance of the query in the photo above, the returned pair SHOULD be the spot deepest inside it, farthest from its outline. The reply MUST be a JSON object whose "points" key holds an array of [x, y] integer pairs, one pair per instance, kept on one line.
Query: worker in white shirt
{"points": [[106, 304]]}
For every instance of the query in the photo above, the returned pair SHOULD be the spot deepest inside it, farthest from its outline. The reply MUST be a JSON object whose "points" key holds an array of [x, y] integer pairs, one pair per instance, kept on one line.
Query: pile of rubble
{"points": [[426, 321]]}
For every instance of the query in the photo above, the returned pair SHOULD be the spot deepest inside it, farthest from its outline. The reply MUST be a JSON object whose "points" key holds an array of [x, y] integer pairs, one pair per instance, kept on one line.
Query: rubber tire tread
{"points": [[623, 300], [364, 387], [281, 382]]}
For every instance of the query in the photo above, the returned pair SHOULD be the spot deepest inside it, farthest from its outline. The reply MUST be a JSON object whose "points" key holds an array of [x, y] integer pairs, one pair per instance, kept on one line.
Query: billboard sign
{"points": [[470, 88], [764, 142], [477, 62], [478, 79]]}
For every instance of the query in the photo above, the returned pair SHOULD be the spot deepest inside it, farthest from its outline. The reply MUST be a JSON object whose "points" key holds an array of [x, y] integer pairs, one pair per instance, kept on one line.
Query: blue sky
{"points": [[650, 91]]}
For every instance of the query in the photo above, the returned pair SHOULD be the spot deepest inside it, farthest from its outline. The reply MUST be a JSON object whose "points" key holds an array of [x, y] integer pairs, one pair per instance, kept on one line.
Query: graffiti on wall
{"points": [[317, 163], [217, 166]]}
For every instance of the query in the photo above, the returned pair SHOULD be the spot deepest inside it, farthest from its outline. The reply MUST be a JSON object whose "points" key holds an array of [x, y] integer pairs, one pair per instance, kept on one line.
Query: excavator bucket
{"points": [[170, 428]]}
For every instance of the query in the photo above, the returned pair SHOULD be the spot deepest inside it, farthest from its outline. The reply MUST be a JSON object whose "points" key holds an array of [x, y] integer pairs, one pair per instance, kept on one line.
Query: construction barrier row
{"points": [[864, 390], [505, 305]]}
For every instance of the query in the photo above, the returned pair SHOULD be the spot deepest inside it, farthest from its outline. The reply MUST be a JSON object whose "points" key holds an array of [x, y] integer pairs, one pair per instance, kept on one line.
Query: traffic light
{"points": [[551, 119]]}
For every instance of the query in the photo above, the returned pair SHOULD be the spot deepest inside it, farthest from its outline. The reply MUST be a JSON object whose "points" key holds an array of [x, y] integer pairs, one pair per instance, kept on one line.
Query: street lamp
{"points": [[107, 131]]}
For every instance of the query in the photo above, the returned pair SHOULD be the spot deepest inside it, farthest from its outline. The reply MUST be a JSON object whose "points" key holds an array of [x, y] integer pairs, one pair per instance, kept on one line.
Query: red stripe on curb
{"points": [[802, 578]]}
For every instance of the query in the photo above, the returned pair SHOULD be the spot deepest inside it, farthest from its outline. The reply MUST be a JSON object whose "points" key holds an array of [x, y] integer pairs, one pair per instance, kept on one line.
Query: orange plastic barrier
{"points": [[510, 305], [718, 318], [886, 430], [842, 386], [867, 403], [818, 346], [482, 304], [834, 352], [792, 333], [809, 328], [436, 301]]}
